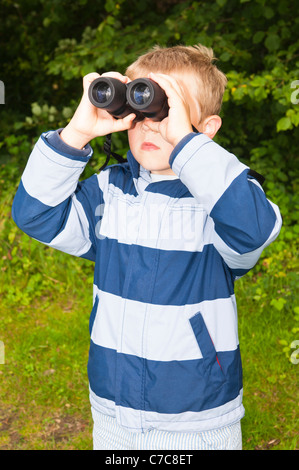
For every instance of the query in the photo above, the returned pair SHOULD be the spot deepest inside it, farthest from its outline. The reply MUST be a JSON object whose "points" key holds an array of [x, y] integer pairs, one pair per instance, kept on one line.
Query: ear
{"points": [[211, 125]]}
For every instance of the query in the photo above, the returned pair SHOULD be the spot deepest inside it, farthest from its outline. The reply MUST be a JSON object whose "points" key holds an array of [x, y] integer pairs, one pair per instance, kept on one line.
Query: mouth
{"points": [[149, 146]]}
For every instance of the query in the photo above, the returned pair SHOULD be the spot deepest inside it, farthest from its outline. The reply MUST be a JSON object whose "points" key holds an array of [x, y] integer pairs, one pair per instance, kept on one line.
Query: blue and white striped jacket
{"points": [[164, 349]]}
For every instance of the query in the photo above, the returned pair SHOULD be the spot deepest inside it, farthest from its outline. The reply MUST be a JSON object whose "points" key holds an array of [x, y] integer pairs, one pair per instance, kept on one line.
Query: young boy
{"points": [[169, 232]]}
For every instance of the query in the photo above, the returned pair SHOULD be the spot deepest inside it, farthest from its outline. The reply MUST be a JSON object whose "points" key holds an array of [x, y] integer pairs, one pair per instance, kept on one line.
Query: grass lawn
{"points": [[270, 378], [44, 400]]}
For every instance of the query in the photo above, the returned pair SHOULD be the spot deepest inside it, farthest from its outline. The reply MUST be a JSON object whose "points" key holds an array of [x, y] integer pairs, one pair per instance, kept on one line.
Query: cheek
{"points": [[133, 135]]}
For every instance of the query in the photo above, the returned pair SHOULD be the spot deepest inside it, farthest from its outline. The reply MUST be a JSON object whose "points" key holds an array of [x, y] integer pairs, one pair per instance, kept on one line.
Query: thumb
{"points": [[124, 123]]}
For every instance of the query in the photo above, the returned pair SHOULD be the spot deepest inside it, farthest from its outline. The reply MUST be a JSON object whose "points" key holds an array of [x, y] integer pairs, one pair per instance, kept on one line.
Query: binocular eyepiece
{"points": [[143, 96]]}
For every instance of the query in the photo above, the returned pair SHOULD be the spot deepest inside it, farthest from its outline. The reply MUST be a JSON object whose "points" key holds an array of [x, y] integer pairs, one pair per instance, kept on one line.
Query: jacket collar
{"points": [[142, 179], [134, 165], [141, 176]]}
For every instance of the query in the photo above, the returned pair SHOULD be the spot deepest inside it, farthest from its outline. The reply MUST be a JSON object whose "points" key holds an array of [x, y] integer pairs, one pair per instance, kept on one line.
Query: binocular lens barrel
{"points": [[103, 92], [109, 94], [142, 96]]}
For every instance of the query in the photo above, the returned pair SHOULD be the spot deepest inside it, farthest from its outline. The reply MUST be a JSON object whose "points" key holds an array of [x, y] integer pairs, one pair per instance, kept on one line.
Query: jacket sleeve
{"points": [[245, 221], [51, 205]]}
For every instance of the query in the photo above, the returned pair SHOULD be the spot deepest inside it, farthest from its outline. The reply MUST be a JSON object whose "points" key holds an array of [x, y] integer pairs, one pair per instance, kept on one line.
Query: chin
{"points": [[151, 162]]}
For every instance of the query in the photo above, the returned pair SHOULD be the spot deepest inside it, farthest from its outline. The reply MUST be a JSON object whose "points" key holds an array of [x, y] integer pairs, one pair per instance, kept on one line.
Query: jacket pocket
{"points": [[206, 346], [93, 314]]}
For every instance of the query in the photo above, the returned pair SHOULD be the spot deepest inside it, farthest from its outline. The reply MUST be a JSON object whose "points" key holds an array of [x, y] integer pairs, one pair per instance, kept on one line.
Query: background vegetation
{"points": [[46, 47]]}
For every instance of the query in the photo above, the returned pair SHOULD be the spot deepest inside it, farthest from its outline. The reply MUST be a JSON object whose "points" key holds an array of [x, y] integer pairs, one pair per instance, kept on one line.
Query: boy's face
{"points": [[148, 146]]}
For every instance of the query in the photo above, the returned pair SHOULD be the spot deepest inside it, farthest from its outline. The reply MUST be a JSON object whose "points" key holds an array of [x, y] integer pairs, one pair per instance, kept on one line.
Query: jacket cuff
{"points": [[177, 149], [54, 140]]}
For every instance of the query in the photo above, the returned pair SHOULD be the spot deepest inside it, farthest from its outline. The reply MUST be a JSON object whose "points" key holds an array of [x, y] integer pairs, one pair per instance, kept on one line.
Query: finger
{"points": [[173, 88], [166, 82], [89, 78], [119, 76], [124, 124]]}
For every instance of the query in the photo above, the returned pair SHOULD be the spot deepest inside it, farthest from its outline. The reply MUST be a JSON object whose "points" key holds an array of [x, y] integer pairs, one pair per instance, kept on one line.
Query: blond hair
{"points": [[198, 59]]}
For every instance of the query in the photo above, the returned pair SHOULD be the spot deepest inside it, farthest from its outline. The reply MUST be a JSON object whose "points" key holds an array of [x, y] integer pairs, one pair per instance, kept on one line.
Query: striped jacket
{"points": [[164, 349]]}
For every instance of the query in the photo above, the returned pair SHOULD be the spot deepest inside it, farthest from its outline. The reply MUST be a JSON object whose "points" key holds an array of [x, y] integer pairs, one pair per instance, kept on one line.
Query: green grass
{"points": [[46, 299], [270, 378], [45, 302], [44, 400]]}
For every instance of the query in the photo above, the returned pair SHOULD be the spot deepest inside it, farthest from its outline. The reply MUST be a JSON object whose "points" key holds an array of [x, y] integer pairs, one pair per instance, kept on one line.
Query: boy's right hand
{"points": [[89, 122]]}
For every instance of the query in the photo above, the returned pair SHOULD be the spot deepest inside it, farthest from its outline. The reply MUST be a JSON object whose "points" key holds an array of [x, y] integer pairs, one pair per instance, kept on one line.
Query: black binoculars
{"points": [[142, 96]]}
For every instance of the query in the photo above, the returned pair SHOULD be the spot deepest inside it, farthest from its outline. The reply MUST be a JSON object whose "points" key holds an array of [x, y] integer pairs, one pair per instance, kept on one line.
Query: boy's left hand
{"points": [[178, 122]]}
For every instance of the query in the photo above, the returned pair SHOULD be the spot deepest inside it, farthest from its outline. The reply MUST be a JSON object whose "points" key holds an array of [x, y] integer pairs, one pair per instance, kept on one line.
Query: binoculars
{"points": [[143, 96]]}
